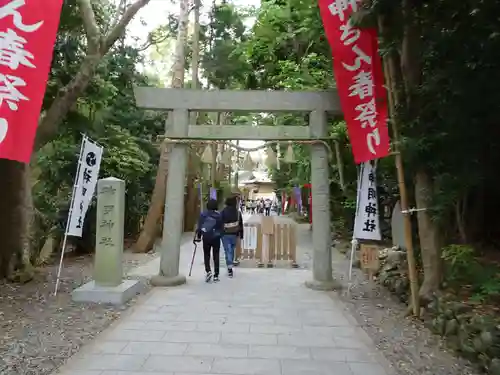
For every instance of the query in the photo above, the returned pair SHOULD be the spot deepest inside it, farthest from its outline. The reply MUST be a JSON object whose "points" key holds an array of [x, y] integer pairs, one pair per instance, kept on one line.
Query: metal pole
{"points": [[70, 211], [354, 242]]}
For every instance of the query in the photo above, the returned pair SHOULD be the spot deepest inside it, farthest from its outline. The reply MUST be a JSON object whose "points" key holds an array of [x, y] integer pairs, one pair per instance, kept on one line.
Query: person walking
{"points": [[233, 228], [267, 207], [278, 207], [209, 230]]}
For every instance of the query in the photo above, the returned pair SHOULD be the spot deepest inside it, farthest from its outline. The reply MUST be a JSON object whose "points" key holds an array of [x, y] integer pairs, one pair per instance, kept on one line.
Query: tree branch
{"points": [[193, 7], [68, 95], [90, 25], [120, 27], [152, 41], [120, 10]]}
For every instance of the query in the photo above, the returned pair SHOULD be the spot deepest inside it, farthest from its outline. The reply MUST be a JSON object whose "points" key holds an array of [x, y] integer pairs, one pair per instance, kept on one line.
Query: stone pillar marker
{"points": [[108, 266], [108, 285], [321, 236]]}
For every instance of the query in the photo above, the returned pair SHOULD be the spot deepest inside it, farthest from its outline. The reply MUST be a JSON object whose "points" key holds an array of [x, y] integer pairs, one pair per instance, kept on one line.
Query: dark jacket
{"points": [[230, 215], [219, 226]]}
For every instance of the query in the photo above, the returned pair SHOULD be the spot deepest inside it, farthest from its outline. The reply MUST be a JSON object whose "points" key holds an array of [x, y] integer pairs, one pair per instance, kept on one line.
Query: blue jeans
{"points": [[229, 243]]}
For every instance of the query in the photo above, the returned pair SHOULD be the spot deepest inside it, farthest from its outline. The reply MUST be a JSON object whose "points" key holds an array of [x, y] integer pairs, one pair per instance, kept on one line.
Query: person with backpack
{"points": [[210, 229], [233, 228]]}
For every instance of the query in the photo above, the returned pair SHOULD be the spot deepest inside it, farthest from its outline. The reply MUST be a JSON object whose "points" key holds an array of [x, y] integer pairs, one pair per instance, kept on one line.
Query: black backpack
{"points": [[209, 225]]}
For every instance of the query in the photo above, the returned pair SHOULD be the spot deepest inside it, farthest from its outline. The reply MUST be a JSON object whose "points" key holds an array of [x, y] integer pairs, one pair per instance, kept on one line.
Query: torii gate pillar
{"points": [[321, 232], [173, 219]]}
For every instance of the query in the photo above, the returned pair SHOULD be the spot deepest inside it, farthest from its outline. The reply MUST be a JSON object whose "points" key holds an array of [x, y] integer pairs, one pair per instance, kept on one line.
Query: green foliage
{"points": [[223, 64], [464, 269], [107, 114], [487, 290], [451, 130], [460, 260]]}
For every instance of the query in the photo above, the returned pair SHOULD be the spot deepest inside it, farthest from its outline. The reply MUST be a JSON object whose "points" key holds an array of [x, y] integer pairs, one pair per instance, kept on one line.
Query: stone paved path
{"points": [[262, 322]]}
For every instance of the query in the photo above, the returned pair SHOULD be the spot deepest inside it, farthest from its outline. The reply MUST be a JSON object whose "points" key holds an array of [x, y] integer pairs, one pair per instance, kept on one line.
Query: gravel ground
{"points": [[406, 343], [38, 331]]}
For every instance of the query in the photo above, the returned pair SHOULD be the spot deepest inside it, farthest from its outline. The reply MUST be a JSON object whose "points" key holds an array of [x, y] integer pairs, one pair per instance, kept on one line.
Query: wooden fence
{"points": [[270, 244]]}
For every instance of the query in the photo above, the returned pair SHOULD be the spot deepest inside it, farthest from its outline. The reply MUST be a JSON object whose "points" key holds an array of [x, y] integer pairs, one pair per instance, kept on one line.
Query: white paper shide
{"points": [[85, 184], [367, 223]]}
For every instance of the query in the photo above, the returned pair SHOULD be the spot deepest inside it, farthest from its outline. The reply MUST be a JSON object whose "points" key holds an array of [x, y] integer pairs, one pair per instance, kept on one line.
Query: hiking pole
{"points": [[192, 259], [194, 254]]}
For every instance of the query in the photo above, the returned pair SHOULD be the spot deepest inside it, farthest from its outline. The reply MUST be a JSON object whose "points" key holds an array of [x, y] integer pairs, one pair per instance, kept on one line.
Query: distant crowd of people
{"points": [[261, 206]]}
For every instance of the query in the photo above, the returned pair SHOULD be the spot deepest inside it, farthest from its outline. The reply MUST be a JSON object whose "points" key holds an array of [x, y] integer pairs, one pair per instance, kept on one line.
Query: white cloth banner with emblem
{"points": [[367, 223], [85, 184]]}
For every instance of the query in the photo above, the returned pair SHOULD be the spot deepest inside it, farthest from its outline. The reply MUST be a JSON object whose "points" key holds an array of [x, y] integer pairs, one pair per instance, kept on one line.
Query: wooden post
{"points": [[293, 245], [259, 251], [260, 245], [268, 231], [239, 246], [392, 100]]}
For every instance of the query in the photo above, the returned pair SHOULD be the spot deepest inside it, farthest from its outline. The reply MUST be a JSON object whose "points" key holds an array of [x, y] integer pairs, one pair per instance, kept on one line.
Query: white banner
{"points": [[366, 224], [85, 183]]}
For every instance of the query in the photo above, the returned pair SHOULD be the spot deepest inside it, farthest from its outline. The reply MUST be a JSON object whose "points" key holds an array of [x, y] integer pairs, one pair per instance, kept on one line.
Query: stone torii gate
{"points": [[182, 101]]}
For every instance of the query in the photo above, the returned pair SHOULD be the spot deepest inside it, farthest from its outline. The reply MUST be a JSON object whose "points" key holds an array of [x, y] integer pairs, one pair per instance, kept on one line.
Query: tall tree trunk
{"points": [[150, 228], [428, 230], [11, 208], [221, 166], [191, 202], [460, 217], [213, 165], [430, 238], [15, 197], [26, 270], [229, 173], [237, 166]]}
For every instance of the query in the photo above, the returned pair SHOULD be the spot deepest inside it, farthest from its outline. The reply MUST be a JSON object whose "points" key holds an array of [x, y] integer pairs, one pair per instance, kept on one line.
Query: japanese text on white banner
{"points": [[367, 223], [88, 173]]}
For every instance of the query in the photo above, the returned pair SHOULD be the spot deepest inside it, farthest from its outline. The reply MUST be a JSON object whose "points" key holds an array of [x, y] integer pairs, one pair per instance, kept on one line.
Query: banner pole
{"points": [[403, 192], [70, 212], [354, 241]]}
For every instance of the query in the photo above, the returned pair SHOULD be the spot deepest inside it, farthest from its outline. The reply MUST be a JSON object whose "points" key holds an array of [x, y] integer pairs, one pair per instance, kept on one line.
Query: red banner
{"points": [[27, 34], [360, 80]]}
